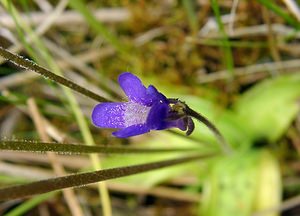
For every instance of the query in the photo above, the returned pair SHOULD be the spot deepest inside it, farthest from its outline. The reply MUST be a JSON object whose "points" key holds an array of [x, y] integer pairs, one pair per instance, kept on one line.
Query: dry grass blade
{"points": [[260, 70], [69, 17], [51, 17], [293, 7], [254, 31], [159, 191], [59, 170]]}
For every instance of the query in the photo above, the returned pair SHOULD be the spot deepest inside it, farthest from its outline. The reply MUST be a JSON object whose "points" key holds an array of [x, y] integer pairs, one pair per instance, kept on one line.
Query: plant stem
{"points": [[30, 65]]}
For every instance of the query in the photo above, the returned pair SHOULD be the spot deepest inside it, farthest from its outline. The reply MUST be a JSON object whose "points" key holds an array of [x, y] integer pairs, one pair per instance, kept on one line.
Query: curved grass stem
{"points": [[224, 145]]}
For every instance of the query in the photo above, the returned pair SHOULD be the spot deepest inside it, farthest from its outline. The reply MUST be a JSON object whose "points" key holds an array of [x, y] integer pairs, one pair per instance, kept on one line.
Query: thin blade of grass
{"points": [[97, 26], [280, 12], [30, 204], [228, 60], [189, 7], [82, 179], [68, 193]]}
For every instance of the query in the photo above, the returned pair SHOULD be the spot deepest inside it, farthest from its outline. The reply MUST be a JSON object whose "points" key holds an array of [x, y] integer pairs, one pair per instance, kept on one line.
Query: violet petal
{"points": [[133, 87], [131, 131], [154, 95], [179, 123], [109, 115], [156, 116]]}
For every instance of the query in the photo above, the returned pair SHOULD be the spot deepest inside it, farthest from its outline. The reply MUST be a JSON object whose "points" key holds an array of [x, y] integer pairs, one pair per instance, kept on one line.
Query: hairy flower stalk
{"points": [[30, 65]]}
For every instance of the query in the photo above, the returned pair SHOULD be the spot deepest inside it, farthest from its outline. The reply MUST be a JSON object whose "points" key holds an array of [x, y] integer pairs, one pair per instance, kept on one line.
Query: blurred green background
{"points": [[236, 62]]}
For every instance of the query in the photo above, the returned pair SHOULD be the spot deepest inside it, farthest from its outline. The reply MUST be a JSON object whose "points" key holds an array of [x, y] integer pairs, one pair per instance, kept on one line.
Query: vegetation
{"points": [[235, 62]]}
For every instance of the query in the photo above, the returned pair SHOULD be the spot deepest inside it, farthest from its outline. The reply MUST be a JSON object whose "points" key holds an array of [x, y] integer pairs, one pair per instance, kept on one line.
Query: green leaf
{"points": [[269, 188], [269, 107], [158, 139], [242, 184]]}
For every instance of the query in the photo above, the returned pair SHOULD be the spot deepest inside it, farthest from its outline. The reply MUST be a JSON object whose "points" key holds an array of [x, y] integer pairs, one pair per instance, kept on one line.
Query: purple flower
{"points": [[147, 109]]}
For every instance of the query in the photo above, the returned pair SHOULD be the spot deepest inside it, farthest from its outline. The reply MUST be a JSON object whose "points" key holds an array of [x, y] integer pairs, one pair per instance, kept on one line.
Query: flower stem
{"points": [[30, 65], [224, 145]]}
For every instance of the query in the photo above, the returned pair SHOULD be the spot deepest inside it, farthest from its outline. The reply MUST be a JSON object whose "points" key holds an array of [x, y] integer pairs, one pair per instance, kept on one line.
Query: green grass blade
{"points": [[98, 27], [189, 6], [228, 60], [280, 12], [29, 204]]}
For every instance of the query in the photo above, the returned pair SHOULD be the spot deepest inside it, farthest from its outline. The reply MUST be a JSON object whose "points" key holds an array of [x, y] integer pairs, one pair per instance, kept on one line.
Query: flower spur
{"points": [[147, 109]]}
